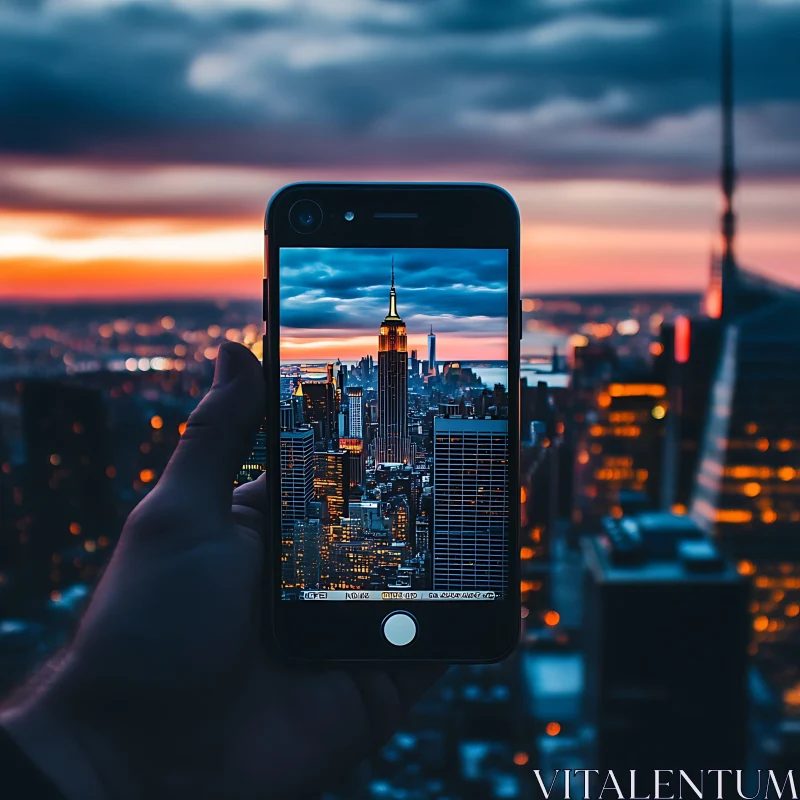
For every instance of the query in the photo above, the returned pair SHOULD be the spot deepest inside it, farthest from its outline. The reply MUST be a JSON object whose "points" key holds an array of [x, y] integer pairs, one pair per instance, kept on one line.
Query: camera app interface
{"points": [[394, 424]]}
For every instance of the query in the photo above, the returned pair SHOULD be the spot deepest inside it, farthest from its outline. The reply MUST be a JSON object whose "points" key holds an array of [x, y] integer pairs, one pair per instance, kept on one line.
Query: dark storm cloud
{"points": [[621, 88], [348, 289]]}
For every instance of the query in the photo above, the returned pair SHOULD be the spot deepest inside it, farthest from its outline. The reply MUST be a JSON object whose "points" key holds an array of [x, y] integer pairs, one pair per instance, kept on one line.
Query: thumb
{"points": [[219, 434]]}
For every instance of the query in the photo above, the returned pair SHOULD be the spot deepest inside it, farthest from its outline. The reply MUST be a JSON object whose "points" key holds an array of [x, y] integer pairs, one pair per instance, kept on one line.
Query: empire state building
{"points": [[392, 443]]}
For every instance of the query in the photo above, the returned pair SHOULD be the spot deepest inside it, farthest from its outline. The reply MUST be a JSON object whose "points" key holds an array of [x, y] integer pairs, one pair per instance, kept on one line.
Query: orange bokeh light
{"points": [[553, 729]]}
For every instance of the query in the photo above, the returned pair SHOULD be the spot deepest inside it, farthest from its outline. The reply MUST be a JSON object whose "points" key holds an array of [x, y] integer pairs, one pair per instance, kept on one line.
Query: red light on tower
{"points": [[683, 338]]}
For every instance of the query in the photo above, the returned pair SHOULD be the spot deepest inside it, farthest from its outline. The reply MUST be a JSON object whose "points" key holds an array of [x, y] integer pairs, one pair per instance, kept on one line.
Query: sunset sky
{"points": [[140, 141], [334, 300]]}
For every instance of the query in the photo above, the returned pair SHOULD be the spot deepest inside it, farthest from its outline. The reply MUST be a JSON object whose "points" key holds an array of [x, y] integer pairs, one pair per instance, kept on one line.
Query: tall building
{"points": [[432, 367], [654, 578], [470, 504], [307, 541], [748, 474], [619, 452], [68, 493], [332, 483], [319, 410], [257, 460], [297, 491], [392, 443], [351, 564], [357, 458], [748, 484], [341, 376], [414, 364], [355, 404]]}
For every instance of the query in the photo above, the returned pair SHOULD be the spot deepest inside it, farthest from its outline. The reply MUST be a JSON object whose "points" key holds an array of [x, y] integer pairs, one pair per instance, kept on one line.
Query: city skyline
{"points": [[329, 297], [380, 457]]}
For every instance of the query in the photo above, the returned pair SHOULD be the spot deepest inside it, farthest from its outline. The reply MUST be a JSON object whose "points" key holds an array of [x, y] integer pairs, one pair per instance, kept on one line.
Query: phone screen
{"points": [[394, 434]]}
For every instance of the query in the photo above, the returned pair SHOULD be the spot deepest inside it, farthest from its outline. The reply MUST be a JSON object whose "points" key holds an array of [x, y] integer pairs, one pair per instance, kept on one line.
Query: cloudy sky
{"points": [[140, 141], [334, 300]]}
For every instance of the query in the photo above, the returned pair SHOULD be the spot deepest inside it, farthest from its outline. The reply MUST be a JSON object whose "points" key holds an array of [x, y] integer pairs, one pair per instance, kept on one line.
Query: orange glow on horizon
{"points": [[594, 235]]}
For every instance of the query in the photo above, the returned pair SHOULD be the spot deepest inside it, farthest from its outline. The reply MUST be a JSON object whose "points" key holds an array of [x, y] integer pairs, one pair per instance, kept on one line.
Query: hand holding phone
{"points": [[392, 421]]}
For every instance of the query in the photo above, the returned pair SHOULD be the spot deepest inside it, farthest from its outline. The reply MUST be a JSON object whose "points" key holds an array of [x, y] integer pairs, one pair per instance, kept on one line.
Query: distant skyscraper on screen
{"points": [[297, 491], [392, 443], [320, 410], [432, 369], [470, 504], [355, 403]]}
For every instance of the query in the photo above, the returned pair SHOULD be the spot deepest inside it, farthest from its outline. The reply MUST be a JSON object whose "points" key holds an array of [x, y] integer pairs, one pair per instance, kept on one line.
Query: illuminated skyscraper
{"points": [[392, 443], [257, 460], [351, 564], [355, 403], [619, 453], [357, 457], [320, 410], [297, 490], [748, 476], [748, 485], [432, 368], [470, 504], [332, 483]]}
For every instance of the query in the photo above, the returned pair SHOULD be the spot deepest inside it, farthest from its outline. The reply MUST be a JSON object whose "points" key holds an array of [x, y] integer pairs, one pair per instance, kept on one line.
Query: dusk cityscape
{"points": [[652, 149], [394, 468]]}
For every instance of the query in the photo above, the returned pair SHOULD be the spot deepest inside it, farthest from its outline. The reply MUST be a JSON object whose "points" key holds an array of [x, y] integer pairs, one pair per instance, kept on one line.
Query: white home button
{"points": [[399, 628]]}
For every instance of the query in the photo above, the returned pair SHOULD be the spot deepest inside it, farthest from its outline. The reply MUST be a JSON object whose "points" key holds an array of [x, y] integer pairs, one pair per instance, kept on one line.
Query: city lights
{"points": [[387, 458]]}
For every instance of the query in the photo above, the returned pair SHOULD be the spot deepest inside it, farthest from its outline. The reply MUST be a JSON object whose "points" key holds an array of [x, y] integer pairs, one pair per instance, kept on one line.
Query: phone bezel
{"points": [[456, 215]]}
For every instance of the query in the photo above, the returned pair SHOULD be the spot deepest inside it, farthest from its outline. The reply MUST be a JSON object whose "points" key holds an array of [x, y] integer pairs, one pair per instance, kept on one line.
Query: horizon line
{"points": [[143, 300]]}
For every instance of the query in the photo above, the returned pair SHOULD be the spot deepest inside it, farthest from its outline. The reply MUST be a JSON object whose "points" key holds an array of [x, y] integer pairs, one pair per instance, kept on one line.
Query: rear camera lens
{"points": [[305, 216]]}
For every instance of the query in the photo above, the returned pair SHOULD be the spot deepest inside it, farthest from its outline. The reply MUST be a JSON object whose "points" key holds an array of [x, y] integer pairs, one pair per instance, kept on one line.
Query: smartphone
{"points": [[391, 358]]}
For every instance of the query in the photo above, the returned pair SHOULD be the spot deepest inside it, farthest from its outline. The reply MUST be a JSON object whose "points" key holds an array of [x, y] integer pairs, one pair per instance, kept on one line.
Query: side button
{"points": [[399, 628]]}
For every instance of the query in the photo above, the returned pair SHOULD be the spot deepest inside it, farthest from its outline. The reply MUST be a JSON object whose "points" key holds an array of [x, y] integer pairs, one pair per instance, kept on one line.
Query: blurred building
{"points": [[539, 493], [666, 626], [619, 451], [68, 492], [257, 460], [748, 486]]}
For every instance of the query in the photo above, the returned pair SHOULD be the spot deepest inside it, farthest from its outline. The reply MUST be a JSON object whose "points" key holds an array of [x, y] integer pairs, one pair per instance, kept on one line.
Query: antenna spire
{"points": [[728, 172], [393, 298]]}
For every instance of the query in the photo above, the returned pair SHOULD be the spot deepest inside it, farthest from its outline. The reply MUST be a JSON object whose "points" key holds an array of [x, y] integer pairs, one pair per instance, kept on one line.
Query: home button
{"points": [[399, 628]]}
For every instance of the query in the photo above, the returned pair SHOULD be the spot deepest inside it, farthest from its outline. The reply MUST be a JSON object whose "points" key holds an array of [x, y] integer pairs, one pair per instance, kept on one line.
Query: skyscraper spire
{"points": [[392, 298], [729, 270]]}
